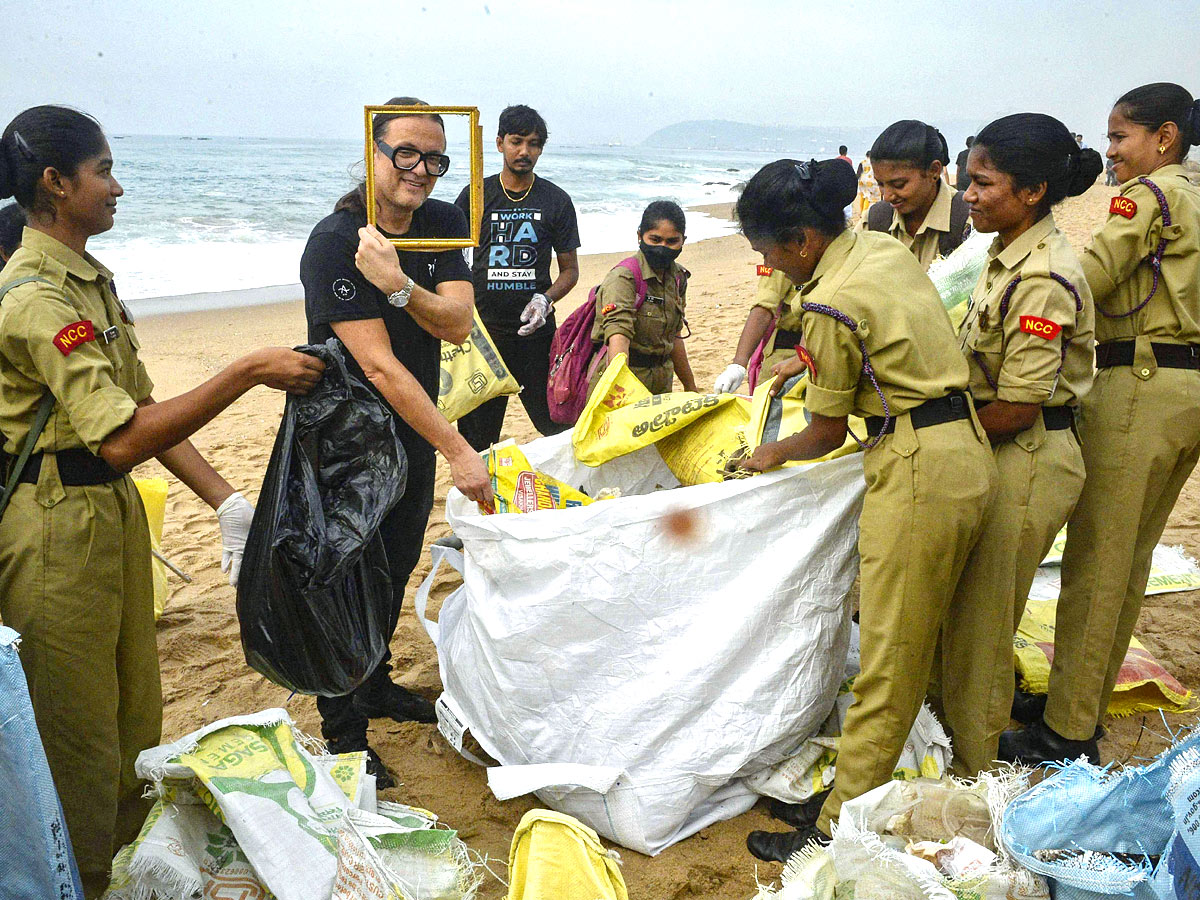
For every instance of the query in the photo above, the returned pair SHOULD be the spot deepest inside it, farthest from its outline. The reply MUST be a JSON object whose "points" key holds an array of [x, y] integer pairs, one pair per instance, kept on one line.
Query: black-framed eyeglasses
{"points": [[408, 158]]}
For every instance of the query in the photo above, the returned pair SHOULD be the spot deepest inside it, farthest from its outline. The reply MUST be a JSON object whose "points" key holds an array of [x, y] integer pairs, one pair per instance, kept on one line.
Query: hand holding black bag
{"points": [[314, 591]]}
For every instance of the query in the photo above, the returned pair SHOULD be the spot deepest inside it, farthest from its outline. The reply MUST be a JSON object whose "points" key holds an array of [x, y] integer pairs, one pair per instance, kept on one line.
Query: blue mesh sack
{"points": [[36, 860], [1097, 833]]}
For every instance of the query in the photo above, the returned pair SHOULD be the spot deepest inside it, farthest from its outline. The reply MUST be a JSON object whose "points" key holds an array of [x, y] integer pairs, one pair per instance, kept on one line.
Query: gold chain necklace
{"points": [[510, 196]]}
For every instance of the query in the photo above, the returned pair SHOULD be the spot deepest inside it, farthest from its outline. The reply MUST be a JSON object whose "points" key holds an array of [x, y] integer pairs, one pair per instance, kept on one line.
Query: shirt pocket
{"points": [[987, 351], [651, 327]]}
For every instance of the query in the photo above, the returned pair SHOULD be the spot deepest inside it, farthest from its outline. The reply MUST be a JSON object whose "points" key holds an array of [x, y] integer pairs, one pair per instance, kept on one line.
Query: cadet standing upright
{"points": [[1139, 425], [74, 546]]}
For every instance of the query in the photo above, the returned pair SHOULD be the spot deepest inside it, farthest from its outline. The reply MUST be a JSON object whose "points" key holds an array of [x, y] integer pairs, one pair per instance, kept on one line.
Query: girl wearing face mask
{"points": [[1139, 428], [650, 333], [918, 208]]}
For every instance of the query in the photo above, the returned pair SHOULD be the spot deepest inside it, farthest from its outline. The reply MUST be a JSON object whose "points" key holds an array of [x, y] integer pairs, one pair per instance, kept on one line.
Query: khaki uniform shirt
{"points": [[923, 244], [653, 328], [1120, 275], [72, 335], [1023, 353], [877, 283]]}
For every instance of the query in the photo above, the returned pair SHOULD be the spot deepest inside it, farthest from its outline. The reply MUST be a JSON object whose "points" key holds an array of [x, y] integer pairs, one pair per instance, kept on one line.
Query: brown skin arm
{"points": [[1003, 420], [618, 344], [156, 428], [568, 275], [753, 331], [683, 368], [185, 463], [823, 435]]}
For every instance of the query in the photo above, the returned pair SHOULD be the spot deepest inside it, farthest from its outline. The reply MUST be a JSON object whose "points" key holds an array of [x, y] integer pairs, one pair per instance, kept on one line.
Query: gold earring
{"points": [[803, 254], [1161, 149]]}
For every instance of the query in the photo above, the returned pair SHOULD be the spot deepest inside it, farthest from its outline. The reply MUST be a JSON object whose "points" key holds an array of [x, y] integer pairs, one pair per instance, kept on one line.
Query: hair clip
{"points": [[23, 146], [802, 169]]}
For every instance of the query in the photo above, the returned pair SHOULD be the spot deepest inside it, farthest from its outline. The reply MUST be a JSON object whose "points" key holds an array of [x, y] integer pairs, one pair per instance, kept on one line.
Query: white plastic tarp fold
{"points": [[664, 645]]}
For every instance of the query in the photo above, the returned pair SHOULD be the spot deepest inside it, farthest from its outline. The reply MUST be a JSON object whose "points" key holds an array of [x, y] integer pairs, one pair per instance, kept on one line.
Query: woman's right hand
{"points": [[789, 368], [285, 370], [471, 477]]}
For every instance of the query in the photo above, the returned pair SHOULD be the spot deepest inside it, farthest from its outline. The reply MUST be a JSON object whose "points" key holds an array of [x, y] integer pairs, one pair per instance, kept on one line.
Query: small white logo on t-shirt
{"points": [[344, 289]]}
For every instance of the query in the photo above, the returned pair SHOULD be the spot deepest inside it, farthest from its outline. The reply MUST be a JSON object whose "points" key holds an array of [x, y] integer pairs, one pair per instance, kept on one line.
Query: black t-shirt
{"points": [[516, 242], [961, 180], [336, 291]]}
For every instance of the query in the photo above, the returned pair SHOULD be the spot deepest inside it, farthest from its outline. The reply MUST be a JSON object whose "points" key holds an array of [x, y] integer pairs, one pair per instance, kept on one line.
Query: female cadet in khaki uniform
{"points": [[1027, 339], [772, 312], [1139, 424], [652, 334], [879, 345], [74, 546], [919, 208]]}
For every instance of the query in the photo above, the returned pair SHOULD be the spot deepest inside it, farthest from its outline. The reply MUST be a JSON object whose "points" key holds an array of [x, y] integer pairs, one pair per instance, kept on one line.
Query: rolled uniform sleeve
{"points": [[838, 357], [82, 379], [772, 290], [1032, 360], [1119, 247], [616, 306]]}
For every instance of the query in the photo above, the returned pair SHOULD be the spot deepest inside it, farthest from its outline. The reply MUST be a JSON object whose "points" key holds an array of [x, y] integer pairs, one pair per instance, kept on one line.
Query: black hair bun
{"points": [[834, 186], [1192, 138], [6, 174], [1085, 167]]}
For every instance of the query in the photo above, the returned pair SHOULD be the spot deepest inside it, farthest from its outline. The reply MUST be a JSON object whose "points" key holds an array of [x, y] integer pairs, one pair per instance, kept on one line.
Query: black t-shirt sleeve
{"points": [[451, 265], [566, 227], [334, 289]]}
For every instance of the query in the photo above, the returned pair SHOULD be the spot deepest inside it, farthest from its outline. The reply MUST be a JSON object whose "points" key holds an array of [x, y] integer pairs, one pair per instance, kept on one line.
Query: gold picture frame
{"points": [[475, 142]]}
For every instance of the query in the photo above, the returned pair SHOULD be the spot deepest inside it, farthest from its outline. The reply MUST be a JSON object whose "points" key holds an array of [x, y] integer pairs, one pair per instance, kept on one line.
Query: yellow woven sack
{"points": [[154, 499], [699, 452], [556, 857], [793, 418], [519, 488], [472, 374], [1142, 684]]}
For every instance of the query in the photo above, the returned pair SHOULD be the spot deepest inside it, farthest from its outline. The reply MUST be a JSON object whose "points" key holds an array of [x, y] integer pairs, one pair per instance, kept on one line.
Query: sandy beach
{"points": [[205, 676]]}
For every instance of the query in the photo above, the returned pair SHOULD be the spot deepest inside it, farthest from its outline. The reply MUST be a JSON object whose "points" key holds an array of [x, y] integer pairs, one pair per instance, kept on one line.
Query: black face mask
{"points": [[658, 255]]}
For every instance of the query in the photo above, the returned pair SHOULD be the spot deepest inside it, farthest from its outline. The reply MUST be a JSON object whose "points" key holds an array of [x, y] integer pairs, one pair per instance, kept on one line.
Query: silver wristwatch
{"points": [[399, 299]]}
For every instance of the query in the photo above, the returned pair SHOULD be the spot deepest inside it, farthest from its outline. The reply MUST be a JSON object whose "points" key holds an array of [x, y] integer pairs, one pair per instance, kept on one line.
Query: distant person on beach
{"points": [[868, 188], [651, 335], [526, 220], [1139, 428], [877, 344], [842, 151], [392, 309], [12, 222], [962, 180], [918, 208], [1110, 176], [75, 577]]}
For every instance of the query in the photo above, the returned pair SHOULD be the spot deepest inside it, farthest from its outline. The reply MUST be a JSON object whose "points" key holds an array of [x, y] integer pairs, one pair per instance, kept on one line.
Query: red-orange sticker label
{"points": [[1043, 328], [610, 308], [1122, 206], [764, 271], [806, 358], [73, 335]]}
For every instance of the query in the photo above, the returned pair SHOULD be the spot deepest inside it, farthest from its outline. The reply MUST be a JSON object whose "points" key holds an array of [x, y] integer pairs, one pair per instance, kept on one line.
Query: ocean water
{"points": [[223, 214]]}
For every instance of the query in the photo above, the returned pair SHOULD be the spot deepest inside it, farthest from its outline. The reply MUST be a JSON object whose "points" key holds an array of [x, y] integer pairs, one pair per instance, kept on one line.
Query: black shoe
{"points": [[1040, 744], [375, 766], [390, 701], [778, 846], [798, 815], [1028, 708]]}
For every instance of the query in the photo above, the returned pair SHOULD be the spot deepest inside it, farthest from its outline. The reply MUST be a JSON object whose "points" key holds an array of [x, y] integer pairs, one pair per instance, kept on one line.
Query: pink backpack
{"points": [[574, 357]]}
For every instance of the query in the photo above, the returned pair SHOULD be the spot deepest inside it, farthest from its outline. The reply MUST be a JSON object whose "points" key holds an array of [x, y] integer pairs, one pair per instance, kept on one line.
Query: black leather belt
{"points": [[786, 340], [1168, 356], [1058, 418], [646, 360], [932, 412], [76, 468]]}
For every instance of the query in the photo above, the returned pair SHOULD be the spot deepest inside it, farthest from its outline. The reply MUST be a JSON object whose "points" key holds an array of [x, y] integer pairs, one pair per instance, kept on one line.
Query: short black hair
{"points": [[913, 142], [786, 196], [43, 137], [659, 211], [1153, 105], [1034, 148], [12, 221], [521, 119], [842, 149]]}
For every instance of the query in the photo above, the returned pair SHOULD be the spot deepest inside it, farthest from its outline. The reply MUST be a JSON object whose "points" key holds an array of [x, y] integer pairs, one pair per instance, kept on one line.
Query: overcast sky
{"points": [[599, 71]]}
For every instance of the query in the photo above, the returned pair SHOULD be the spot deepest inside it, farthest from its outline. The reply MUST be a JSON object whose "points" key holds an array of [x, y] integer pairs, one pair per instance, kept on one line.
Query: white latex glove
{"points": [[730, 380], [534, 313], [234, 517]]}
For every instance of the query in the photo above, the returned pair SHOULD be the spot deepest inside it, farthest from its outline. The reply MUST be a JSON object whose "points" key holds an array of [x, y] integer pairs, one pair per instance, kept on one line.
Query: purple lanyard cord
{"points": [[1155, 258]]}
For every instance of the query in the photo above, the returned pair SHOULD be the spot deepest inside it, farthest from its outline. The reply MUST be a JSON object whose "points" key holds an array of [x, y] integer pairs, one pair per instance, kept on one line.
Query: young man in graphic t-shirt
{"points": [[526, 219]]}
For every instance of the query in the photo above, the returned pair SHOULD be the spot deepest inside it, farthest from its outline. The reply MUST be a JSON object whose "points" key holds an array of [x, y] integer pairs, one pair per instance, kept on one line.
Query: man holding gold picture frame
{"points": [[385, 275]]}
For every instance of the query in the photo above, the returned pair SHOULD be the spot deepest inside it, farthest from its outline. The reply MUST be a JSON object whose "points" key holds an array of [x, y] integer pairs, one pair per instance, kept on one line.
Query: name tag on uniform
{"points": [[1122, 206], [656, 300], [110, 334]]}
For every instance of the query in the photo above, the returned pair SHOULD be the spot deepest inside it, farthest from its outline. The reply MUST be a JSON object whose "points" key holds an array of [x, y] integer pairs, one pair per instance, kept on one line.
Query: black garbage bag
{"points": [[314, 591]]}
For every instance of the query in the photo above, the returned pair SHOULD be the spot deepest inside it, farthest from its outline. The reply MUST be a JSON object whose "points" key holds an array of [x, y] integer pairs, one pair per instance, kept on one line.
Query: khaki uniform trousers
{"points": [[75, 582], [657, 379], [927, 493], [1041, 476], [1141, 440]]}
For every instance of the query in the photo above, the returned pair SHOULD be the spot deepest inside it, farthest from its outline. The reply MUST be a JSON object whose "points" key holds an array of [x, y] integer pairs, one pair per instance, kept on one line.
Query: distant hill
{"points": [[720, 134]]}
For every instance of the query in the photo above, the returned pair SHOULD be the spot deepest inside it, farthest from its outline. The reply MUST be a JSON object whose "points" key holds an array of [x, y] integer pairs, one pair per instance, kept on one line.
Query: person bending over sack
{"points": [[877, 344]]}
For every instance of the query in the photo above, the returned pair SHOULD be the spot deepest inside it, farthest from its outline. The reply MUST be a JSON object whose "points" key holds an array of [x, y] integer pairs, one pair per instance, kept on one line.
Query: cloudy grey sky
{"points": [[599, 71]]}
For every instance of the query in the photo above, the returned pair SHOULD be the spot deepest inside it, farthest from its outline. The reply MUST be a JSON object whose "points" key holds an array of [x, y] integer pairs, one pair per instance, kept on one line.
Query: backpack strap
{"points": [[960, 227], [879, 216], [1155, 258], [40, 418], [639, 280]]}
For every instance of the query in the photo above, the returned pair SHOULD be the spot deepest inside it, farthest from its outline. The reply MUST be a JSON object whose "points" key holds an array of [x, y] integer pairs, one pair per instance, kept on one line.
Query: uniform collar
{"points": [[938, 217], [834, 255], [85, 267], [1172, 169], [1011, 256]]}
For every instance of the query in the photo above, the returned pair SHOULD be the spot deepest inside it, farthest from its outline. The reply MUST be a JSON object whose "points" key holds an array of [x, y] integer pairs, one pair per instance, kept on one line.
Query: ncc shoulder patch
{"points": [[806, 358], [1043, 328], [764, 271], [74, 335], [1122, 206], [611, 307]]}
